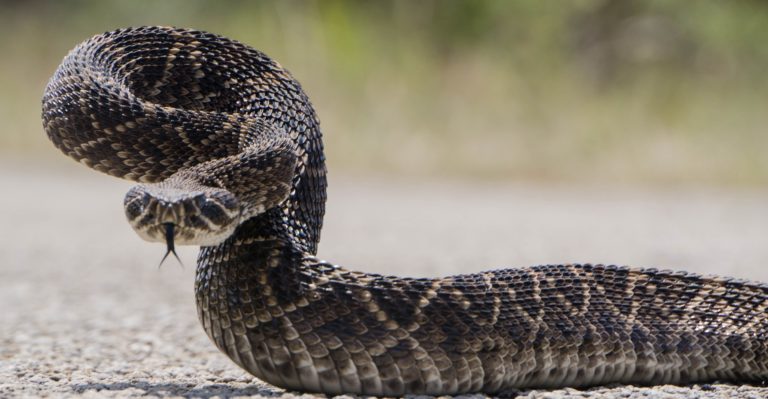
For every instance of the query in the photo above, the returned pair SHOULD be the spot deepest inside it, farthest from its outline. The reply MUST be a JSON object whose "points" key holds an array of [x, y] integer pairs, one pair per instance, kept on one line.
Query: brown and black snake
{"points": [[228, 153]]}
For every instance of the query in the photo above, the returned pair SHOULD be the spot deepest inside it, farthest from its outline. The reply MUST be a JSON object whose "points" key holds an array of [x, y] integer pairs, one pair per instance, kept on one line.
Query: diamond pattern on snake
{"points": [[227, 154]]}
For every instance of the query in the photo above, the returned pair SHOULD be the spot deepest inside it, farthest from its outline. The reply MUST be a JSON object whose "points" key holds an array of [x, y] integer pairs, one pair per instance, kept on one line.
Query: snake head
{"points": [[200, 216]]}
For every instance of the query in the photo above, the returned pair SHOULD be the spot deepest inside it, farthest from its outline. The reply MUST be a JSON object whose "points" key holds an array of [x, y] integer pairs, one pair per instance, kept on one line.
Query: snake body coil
{"points": [[229, 153]]}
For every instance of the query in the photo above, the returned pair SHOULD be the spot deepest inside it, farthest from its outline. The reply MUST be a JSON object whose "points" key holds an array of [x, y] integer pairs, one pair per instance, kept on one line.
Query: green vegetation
{"points": [[640, 91]]}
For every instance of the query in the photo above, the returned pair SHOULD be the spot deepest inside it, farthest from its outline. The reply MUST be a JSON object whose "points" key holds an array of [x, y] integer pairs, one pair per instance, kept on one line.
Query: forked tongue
{"points": [[169, 242]]}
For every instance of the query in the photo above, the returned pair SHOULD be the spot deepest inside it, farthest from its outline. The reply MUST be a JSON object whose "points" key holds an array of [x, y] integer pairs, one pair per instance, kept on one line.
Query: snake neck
{"points": [[259, 247], [244, 287]]}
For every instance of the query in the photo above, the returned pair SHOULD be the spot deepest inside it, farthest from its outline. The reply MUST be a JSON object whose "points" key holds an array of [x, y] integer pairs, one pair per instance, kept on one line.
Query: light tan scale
{"points": [[229, 156]]}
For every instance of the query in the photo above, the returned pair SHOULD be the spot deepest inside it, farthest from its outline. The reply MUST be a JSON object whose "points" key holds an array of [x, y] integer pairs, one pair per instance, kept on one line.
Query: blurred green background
{"points": [[638, 92]]}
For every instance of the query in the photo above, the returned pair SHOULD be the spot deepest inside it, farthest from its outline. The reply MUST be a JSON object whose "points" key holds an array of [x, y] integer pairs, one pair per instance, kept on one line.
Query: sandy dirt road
{"points": [[87, 313]]}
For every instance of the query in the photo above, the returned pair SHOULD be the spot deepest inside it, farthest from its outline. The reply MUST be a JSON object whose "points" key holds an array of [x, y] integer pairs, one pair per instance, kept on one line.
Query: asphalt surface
{"points": [[87, 313]]}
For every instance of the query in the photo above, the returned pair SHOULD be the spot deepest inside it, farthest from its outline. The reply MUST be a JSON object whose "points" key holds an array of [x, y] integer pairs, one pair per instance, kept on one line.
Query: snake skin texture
{"points": [[188, 111]]}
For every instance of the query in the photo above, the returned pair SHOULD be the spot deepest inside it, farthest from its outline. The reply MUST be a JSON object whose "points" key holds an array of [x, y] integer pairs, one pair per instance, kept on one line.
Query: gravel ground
{"points": [[87, 313]]}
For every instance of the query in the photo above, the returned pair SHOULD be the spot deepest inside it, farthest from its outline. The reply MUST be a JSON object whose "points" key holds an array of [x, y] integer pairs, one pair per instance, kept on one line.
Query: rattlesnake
{"points": [[228, 151]]}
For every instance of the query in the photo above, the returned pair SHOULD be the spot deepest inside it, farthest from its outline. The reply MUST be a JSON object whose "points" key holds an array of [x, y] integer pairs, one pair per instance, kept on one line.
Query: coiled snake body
{"points": [[229, 153]]}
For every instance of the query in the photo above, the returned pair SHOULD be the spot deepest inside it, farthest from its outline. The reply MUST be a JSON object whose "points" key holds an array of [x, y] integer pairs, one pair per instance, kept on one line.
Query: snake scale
{"points": [[227, 151]]}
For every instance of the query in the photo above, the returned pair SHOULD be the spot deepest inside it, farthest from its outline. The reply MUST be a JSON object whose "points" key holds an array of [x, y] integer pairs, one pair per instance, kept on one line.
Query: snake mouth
{"points": [[175, 234]]}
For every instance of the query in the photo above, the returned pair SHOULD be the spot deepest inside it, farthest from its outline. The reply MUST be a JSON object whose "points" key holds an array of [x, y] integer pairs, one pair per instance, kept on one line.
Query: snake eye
{"points": [[133, 209], [218, 207], [136, 202], [224, 199], [214, 212]]}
